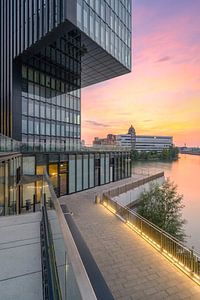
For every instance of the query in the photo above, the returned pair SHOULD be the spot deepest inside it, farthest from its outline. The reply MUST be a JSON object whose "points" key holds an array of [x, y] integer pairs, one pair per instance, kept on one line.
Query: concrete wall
{"points": [[133, 195]]}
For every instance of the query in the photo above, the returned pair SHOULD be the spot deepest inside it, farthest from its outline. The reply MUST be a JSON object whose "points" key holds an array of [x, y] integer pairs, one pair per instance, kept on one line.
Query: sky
{"points": [[161, 96]]}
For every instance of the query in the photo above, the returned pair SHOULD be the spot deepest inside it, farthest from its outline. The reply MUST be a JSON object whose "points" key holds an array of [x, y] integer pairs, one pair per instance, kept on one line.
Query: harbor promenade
{"points": [[131, 267]]}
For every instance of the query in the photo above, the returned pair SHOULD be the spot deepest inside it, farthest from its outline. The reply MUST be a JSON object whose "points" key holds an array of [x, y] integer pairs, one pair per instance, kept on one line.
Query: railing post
{"points": [[116, 206], [97, 199], [128, 215], [34, 202], [44, 203], [161, 242], [192, 261]]}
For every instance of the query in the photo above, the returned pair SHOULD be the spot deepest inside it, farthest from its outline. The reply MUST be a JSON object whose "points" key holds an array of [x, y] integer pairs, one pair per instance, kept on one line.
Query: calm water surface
{"points": [[186, 174]]}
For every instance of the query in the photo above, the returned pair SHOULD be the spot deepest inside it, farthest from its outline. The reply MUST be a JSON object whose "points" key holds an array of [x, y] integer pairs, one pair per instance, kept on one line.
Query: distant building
{"points": [[144, 142], [153, 143], [127, 140], [109, 140]]}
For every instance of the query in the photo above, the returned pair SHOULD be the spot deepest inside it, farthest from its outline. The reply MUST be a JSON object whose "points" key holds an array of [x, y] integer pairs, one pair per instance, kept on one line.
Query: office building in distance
{"points": [[131, 141], [144, 142]]}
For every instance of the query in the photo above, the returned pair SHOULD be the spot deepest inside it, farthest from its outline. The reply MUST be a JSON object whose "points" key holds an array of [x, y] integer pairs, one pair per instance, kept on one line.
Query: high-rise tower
{"points": [[49, 51]]}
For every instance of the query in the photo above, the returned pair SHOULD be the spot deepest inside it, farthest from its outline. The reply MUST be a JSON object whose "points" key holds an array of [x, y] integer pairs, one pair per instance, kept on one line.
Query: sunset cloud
{"points": [[162, 94], [94, 123], [165, 58]]}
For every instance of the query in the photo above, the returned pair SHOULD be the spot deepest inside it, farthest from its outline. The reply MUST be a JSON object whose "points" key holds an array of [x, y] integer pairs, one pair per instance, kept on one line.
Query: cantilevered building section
{"points": [[49, 51], [106, 34]]}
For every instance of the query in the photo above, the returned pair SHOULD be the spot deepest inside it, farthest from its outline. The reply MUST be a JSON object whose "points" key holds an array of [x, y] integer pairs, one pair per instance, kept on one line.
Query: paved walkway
{"points": [[131, 267], [20, 257]]}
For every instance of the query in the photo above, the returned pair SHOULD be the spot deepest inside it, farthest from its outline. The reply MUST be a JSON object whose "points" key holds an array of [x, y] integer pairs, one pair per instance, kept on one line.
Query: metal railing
{"points": [[120, 189], [8, 144], [49, 147], [65, 272], [145, 171], [108, 148], [180, 255], [51, 284]]}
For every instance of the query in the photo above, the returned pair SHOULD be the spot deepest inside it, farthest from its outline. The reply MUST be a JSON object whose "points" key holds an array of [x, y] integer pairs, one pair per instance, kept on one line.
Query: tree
{"points": [[165, 154], [169, 154], [162, 205], [135, 155]]}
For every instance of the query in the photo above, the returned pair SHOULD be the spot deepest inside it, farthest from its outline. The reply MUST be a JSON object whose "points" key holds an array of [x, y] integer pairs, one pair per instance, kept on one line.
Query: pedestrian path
{"points": [[130, 266], [20, 257]]}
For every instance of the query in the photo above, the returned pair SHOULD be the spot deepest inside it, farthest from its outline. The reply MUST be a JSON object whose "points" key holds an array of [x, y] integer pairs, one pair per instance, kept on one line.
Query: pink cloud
{"points": [[167, 92]]}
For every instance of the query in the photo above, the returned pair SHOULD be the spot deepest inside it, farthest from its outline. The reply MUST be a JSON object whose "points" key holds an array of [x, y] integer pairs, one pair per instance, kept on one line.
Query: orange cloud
{"points": [[161, 95]]}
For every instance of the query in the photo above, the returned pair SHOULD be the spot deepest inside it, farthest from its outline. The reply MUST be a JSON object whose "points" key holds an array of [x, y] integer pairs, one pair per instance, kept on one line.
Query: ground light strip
{"points": [[165, 253]]}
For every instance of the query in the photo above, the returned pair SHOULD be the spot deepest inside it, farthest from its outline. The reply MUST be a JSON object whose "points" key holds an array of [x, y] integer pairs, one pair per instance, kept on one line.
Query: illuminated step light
{"points": [[109, 208]]}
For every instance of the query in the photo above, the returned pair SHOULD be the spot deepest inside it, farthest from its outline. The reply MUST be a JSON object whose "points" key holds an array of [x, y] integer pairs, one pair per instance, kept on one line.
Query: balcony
{"points": [[8, 145]]}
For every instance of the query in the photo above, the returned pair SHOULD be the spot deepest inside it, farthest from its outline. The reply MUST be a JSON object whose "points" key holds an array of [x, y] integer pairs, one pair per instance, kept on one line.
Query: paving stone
{"points": [[132, 268], [20, 257]]}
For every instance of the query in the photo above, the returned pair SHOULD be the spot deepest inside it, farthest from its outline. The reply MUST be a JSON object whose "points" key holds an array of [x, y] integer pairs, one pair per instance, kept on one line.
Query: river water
{"points": [[185, 173]]}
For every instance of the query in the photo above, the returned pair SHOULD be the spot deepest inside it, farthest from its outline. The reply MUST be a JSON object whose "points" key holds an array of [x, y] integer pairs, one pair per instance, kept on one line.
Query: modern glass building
{"points": [[10, 174], [49, 51]]}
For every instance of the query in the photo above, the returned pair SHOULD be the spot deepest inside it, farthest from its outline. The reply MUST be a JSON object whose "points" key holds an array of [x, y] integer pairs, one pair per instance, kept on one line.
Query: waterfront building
{"points": [[153, 143], [144, 142], [49, 51], [109, 140], [132, 141]]}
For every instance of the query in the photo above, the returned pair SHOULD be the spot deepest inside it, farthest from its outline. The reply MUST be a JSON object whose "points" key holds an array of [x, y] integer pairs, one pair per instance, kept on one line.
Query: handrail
{"points": [[84, 285], [8, 144], [51, 284], [179, 254], [120, 189]]}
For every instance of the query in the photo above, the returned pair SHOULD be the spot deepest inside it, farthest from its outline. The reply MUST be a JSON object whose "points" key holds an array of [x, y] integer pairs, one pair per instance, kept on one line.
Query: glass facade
{"points": [[108, 22], [75, 172], [39, 17], [51, 98], [10, 171], [69, 173], [60, 46]]}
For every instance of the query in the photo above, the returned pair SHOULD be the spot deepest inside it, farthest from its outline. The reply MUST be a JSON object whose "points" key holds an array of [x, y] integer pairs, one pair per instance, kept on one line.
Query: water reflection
{"points": [[186, 174]]}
